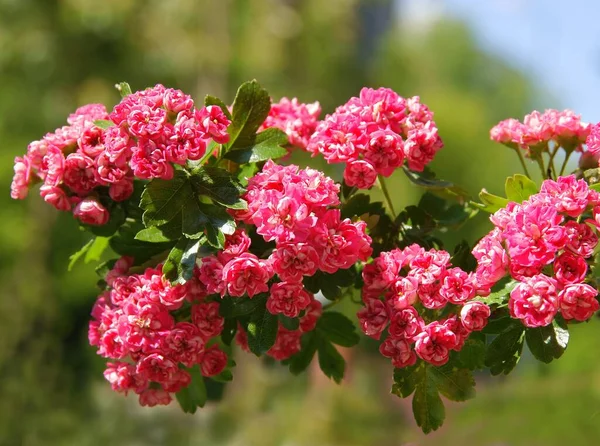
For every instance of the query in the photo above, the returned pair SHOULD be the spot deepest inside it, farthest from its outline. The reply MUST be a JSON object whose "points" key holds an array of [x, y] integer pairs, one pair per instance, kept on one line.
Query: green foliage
{"points": [[301, 360], [103, 123], [519, 188], [504, 352], [489, 202], [331, 285], [262, 331], [250, 108], [338, 329], [213, 100], [332, 364], [91, 252], [549, 342], [194, 395], [268, 144]]}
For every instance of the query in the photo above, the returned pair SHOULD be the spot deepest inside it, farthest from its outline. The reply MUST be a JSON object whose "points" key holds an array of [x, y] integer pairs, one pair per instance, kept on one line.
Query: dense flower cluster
{"points": [[375, 133], [83, 167], [400, 282], [565, 129], [135, 325], [297, 120], [544, 244]]}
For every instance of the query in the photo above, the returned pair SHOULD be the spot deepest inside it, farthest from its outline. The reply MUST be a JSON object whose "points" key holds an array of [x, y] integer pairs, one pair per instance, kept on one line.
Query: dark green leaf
{"points": [[179, 266], [472, 354], [301, 360], [549, 342], [103, 123], [160, 234], [95, 252], [212, 100], [218, 185], [423, 180], [500, 293], [163, 200], [504, 352], [117, 218], [330, 361], [75, 257], [262, 331], [357, 205], [290, 323], [454, 383], [250, 109], [338, 329], [125, 244], [268, 144], [194, 395], [240, 306], [405, 381], [229, 331], [519, 188], [223, 377], [427, 405], [463, 258]]}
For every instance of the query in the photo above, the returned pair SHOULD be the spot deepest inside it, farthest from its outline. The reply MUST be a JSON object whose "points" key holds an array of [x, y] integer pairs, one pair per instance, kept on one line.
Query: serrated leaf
{"points": [[549, 342], [218, 185], [125, 244], [123, 88], [250, 109], [163, 200], [262, 331], [490, 202], [405, 381], [194, 395], [231, 307], [504, 352], [213, 100], [155, 234], [290, 323], [103, 123], [423, 180], [500, 294], [519, 188], [456, 384], [331, 362], [301, 360], [427, 405], [472, 354], [179, 266], [357, 205], [338, 329], [595, 187], [268, 144], [76, 256]]}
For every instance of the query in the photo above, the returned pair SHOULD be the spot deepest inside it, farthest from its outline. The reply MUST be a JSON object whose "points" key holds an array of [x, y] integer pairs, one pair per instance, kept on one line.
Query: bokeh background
{"points": [[473, 62]]}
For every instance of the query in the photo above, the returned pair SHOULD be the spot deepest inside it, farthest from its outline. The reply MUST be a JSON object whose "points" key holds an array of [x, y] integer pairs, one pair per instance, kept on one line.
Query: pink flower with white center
{"points": [[208, 320], [360, 174], [434, 343], [312, 313], [176, 100], [458, 286], [373, 318], [56, 196], [430, 296], [140, 323], [593, 140], [213, 362], [578, 301], [474, 315], [155, 397], [122, 190], [90, 212], [581, 239], [405, 324], [570, 268], [53, 165], [400, 351], [502, 217], [385, 151], [91, 141], [145, 121], [286, 344], [492, 259], [123, 287], [288, 299], [235, 244], [80, 173], [149, 161], [318, 189], [284, 220], [184, 140], [402, 293], [509, 132], [538, 129], [213, 123], [184, 343], [386, 107], [534, 301], [22, 178], [292, 261], [568, 194], [382, 273], [123, 378], [117, 146], [421, 145], [156, 367], [211, 275], [430, 266], [107, 171], [246, 274]]}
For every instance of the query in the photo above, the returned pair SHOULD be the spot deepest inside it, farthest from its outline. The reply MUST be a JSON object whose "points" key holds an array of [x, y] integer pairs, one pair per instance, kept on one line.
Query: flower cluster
{"points": [[544, 244], [84, 166], [400, 282], [297, 120], [375, 133], [135, 325], [565, 129]]}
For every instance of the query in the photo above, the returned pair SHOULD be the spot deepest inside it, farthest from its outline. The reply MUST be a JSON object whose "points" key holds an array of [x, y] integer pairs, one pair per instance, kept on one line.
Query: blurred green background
{"points": [[58, 54]]}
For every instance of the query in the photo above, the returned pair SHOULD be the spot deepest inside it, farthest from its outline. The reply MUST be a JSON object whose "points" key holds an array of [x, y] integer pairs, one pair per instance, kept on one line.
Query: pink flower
{"points": [[20, 183], [286, 345], [373, 318], [297, 120], [235, 244], [288, 299], [184, 343], [509, 131], [150, 161], [214, 123], [400, 351], [312, 313], [492, 259], [155, 397], [176, 101], [90, 141], [292, 261], [474, 315], [568, 194], [208, 320], [213, 362], [80, 173], [405, 324], [434, 343], [145, 121], [402, 293], [88, 113], [360, 173], [534, 301], [52, 167], [121, 191], [581, 239], [458, 286], [570, 268], [211, 274], [429, 266], [123, 378], [90, 212], [385, 151], [578, 302], [246, 274], [56, 196], [156, 367], [593, 140]]}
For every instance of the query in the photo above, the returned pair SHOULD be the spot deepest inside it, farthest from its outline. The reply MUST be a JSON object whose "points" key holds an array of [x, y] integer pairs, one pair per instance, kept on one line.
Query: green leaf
{"points": [[117, 218], [218, 185], [290, 323], [223, 377], [75, 257], [504, 352], [231, 307], [250, 109], [160, 234], [213, 100], [595, 187], [405, 381], [426, 181], [500, 293], [94, 253], [519, 188], [427, 405], [549, 342], [489, 202], [472, 354], [194, 395], [163, 200], [103, 123], [301, 360], [125, 244], [179, 266], [266, 145], [338, 329], [123, 88], [357, 205], [454, 383], [229, 330], [262, 331], [330, 361]]}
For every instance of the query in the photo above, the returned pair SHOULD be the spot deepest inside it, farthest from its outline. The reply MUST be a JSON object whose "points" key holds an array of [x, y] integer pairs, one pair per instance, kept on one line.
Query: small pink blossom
{"points": [[213, 362], [90, 212], [400, 351], [288, 299], [578, 301], [214, 123], [434, 343], [534, 301], [246, 274], [361, 174], [474, 315]]}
